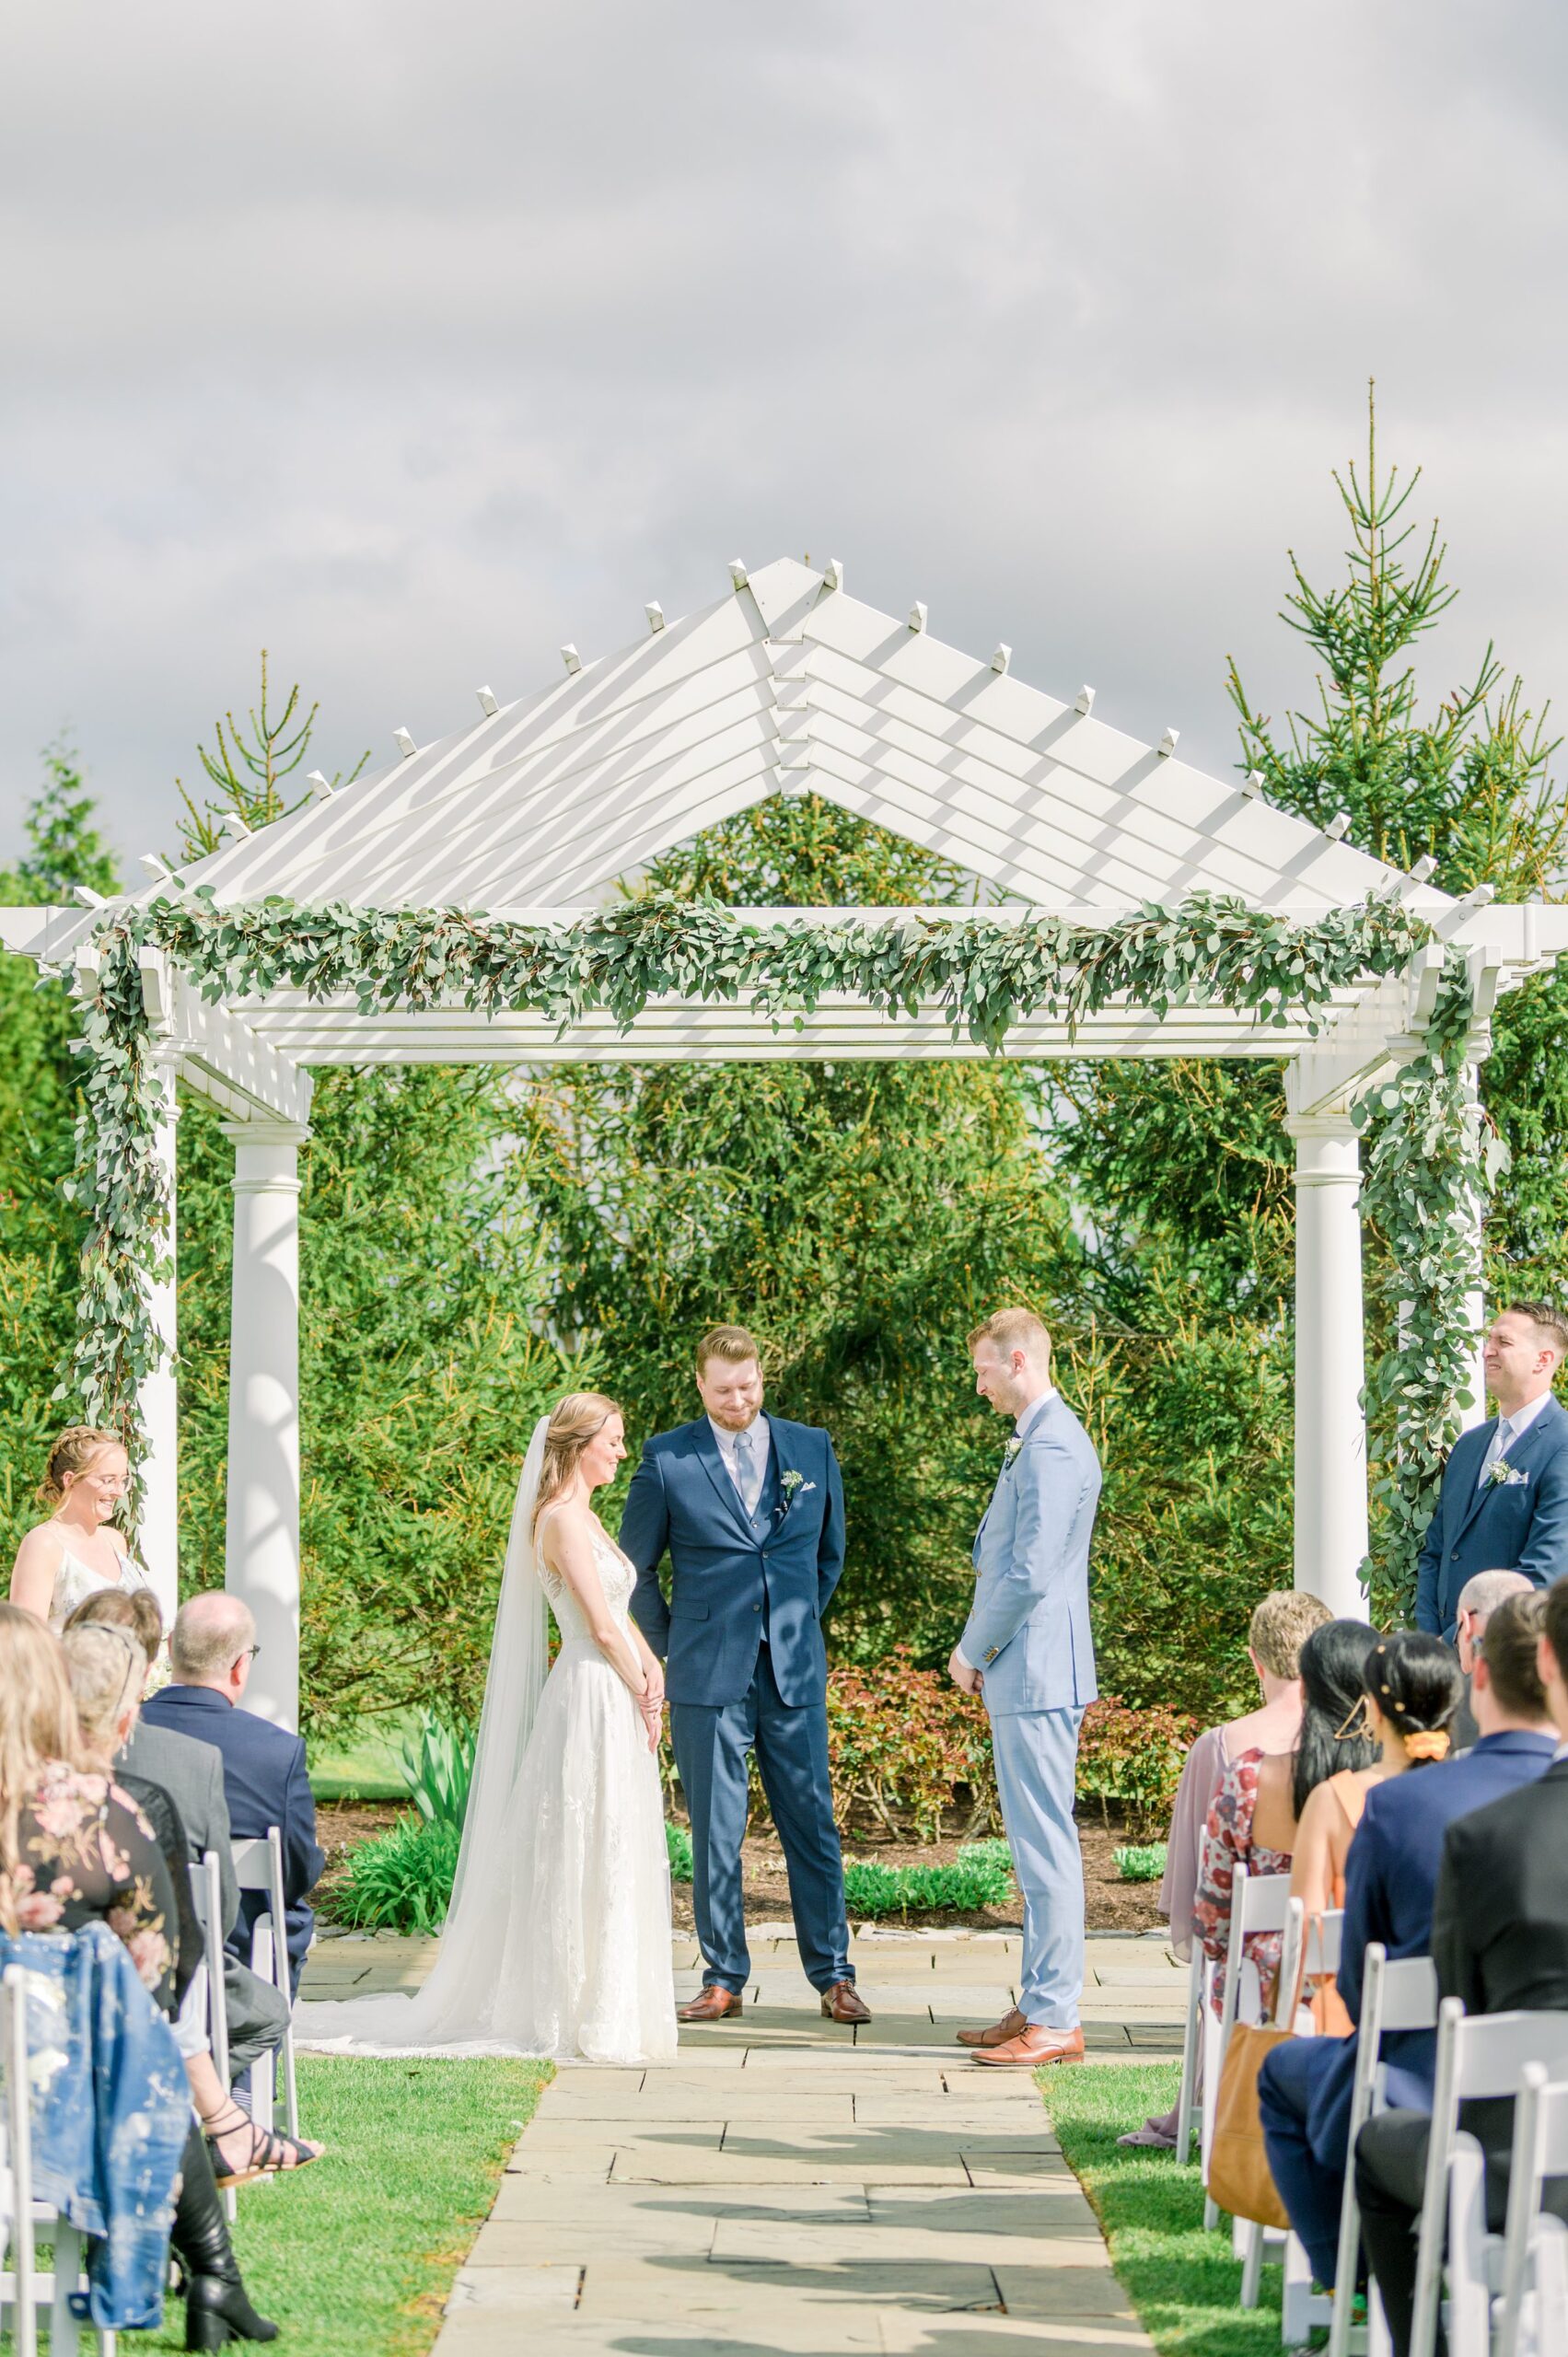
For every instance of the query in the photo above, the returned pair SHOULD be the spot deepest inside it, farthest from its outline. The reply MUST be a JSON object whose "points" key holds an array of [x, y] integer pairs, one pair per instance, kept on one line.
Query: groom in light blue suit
{"points": [[1026, 1647]]}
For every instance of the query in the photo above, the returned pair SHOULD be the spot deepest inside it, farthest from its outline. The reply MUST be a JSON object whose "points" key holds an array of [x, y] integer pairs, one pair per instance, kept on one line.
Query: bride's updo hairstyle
{"points": [[71, 1455], [580, 1417]]}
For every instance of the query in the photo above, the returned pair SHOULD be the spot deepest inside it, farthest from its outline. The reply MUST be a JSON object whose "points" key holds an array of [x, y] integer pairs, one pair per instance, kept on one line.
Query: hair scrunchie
{"points": [[1427, 1743]]}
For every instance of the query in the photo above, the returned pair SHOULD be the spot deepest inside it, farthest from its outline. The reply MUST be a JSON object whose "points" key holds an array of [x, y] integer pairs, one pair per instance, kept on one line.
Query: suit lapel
{"points": [[1477, 1497], [1518, 1452], [780, 1455], [713, 1465]]}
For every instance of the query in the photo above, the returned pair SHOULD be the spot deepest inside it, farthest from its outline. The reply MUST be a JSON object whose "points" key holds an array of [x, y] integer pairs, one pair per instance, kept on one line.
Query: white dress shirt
{"points": [[1509, 1429], [744, 1456]]}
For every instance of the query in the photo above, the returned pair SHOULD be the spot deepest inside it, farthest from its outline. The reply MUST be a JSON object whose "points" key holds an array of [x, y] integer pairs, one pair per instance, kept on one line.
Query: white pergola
{"points": [[786, 685]]}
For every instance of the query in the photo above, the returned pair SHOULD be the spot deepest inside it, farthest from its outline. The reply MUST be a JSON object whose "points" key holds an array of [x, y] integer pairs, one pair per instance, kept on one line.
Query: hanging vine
{"points": [[983, 973]]}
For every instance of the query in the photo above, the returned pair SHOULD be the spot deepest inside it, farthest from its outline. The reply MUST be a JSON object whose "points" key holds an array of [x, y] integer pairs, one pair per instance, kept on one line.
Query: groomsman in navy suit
{"points": [[1505, 1501], [750, 1510]]}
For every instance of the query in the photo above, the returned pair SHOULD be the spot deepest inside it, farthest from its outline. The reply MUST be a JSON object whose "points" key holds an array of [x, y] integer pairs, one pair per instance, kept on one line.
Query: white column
{"points": [[1475, 1298], [1331, 1427], [262, 1537], [157, 1531]]}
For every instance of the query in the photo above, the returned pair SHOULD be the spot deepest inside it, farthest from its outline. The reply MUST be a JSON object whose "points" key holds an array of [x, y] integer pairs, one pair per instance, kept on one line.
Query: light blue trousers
{"points": [[1037, 1756]]}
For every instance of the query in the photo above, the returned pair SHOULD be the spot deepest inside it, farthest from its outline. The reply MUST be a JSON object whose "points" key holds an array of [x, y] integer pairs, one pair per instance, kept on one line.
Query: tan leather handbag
{"points": [[1238, 2166]]}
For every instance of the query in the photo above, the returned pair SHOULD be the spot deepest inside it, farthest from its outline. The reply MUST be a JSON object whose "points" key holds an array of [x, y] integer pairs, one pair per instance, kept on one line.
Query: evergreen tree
{"points": [[424, 1361], [39, 1235]]}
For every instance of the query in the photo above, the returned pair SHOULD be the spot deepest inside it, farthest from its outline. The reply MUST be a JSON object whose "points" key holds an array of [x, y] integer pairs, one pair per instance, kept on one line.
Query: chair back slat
{"points": [[1491, 2049], [19, 2139], [1410, 1994], [1529, 2260], [1397, 1996], [1479, 2056]]}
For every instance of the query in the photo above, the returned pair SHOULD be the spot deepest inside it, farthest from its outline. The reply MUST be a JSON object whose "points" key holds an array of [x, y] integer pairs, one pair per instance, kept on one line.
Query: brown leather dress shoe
{"points": [[1034, 2045], [1011, 2023], [843, 2003], [713, 2004]]}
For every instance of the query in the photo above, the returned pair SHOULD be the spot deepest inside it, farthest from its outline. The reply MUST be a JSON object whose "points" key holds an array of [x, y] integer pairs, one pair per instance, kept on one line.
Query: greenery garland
{"points": [[984, 972]]}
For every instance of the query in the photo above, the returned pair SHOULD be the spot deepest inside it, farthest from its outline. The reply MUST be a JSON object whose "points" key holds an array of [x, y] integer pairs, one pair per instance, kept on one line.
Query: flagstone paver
{"points": [[788, 2187]]}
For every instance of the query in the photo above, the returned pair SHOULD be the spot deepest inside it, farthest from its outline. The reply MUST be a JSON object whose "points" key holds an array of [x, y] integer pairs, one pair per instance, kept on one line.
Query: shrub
{"points": [[677, 1841], [905, 1743], [981, 1875], [1141, 1862], [438, 1768], [1132, 1757], [402, 1880]]}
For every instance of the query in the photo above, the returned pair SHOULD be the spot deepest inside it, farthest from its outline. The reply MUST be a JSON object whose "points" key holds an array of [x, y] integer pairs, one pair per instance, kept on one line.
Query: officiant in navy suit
{"points": [[750, 1511], [1505, 1501]]}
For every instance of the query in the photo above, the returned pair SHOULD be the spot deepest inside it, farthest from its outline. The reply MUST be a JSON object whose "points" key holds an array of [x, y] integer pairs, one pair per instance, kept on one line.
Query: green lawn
{"points": [[366, 1769], [354, 2257], [1183, 2283]]}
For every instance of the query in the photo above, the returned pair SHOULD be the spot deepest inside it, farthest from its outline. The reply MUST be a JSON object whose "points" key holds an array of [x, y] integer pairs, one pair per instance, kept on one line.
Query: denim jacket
{"points": [[110, 2109]]}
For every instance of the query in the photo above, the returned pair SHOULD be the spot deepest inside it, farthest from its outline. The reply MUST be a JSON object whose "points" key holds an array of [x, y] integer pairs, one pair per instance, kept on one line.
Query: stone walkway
{"points": [[792, 2188]]}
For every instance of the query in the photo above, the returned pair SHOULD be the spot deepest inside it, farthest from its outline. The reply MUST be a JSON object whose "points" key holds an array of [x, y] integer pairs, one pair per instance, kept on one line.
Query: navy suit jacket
{"points": [[265, 1783], [725, 1577], [1507, 1526], [1391, 1883]]}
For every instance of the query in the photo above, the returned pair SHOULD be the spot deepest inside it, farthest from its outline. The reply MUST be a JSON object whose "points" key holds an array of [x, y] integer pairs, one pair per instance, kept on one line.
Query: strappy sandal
{"points": [[270, 2154], [226, 2174], [288, 2153]]}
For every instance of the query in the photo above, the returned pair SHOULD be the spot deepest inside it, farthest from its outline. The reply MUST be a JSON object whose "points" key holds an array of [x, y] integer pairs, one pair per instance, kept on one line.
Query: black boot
{"points": [[216, 2309]]}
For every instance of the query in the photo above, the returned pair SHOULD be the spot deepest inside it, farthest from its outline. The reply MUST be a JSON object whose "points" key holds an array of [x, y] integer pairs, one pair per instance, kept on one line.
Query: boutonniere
{"points": [[1503, 1476], [1012, 1453], [794, 1485]]}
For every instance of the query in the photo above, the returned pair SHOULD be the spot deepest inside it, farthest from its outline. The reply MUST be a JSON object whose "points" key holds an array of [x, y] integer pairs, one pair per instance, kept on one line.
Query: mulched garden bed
{"points": [[1113, 1905]]}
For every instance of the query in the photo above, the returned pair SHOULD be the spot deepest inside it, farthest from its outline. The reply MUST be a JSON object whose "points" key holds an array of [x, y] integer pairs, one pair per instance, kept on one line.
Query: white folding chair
{"points": [[206, 1898], [1479, 2056], [258, 1865], [1533, 2310], [1189, 2100], [25, 2287], [1258, 1903], [1398, 1996], [1310, 1951]]}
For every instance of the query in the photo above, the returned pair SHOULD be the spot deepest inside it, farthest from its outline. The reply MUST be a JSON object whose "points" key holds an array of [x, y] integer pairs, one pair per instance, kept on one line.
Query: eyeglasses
{"points": [[249, 1654]]}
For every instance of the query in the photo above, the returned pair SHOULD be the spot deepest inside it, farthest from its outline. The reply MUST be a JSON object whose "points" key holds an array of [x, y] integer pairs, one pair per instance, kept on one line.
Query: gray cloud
{"points": [[410, 342]]}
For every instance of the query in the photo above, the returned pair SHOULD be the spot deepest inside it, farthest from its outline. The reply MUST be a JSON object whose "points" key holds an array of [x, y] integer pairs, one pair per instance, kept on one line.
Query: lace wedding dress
{"points": [[558, 1939]]}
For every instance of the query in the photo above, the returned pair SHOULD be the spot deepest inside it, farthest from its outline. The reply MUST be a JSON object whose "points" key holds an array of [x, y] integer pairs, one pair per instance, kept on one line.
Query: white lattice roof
{"points": [[791, 684]]}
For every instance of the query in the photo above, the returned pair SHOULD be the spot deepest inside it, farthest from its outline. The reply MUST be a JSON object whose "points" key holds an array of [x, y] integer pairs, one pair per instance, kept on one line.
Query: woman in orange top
{"points": [[1412, 1687]]}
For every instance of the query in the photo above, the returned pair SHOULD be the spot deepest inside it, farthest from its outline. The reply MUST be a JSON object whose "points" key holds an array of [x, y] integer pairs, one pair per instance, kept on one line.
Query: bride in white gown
{"points": [[558, 1938]]}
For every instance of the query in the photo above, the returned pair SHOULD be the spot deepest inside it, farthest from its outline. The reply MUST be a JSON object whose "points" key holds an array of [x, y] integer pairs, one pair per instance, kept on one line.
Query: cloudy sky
{"points": [[408, 340]]}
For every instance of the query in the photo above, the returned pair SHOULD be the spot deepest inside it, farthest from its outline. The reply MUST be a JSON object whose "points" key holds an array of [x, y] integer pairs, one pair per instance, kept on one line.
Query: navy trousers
{"points": [[711, 1747], [1310, 2188]]}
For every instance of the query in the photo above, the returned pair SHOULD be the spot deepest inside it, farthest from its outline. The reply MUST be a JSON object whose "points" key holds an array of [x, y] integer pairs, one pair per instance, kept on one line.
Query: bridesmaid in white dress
{"points": [[78, 1550], [558, 1938]]}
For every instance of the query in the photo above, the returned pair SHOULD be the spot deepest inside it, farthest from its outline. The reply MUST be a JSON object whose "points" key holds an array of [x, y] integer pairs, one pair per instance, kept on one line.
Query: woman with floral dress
{"points": [[1255, 1814], [76, 1849]]}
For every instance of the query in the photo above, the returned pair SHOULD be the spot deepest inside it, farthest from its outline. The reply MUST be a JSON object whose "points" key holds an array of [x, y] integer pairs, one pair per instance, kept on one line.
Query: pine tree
{"points": [[40, 1239]]}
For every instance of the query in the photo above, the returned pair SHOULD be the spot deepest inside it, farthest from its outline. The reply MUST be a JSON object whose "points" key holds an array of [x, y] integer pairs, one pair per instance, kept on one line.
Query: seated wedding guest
{"points": [[1479, 1598], [77, 1548], [74, 1849], [1500, 1944], [1304, 2088], [1280, 1625], [211, 1648], [1258, 1808], [102, 1660], [1411, 1690]]}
